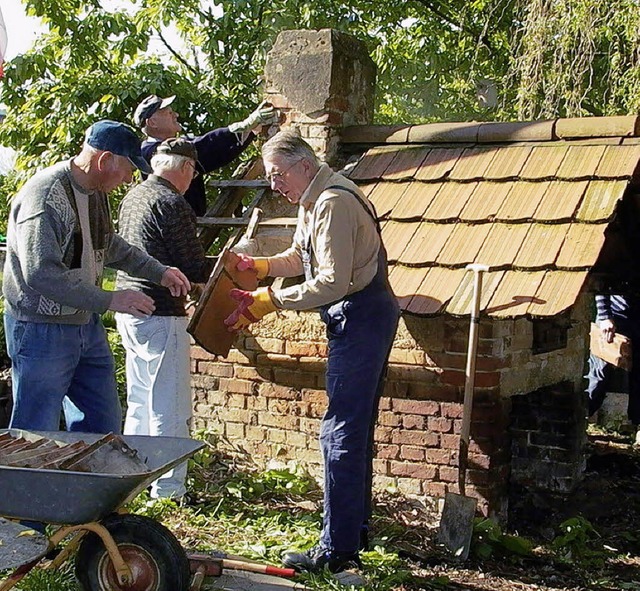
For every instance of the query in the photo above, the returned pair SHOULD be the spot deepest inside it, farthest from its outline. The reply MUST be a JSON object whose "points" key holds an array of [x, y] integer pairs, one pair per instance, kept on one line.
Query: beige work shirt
{"points": [[344, 243]]}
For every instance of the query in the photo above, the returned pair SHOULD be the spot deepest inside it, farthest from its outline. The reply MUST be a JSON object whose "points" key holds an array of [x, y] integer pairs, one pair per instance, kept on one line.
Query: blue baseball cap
{"points": [[118, 138], [148, 106]]}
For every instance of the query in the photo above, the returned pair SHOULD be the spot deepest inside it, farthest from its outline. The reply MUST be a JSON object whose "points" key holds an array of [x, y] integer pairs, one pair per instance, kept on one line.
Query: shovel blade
{"points": [[456, 524]]}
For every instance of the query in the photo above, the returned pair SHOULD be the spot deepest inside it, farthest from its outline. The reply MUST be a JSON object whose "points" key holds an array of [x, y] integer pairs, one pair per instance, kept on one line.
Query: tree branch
{"points": [[175, 54], [455, 21]]}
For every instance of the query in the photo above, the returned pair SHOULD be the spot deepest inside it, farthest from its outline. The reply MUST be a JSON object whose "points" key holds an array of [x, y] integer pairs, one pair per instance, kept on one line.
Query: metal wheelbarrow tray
{"points": [[66, 497]]}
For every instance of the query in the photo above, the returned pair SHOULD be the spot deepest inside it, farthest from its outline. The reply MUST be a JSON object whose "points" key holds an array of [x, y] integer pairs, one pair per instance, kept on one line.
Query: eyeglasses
{"points": [[196, 172], [279, 174]]}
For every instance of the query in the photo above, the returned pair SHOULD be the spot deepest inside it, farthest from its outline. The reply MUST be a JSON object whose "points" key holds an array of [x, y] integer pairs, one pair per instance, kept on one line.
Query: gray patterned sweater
{"points": [[44, 279]]}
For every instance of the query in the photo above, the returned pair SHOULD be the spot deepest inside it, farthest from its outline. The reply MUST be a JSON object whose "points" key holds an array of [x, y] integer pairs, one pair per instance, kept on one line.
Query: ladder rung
{"points": [[239, 183], [241, 222]]}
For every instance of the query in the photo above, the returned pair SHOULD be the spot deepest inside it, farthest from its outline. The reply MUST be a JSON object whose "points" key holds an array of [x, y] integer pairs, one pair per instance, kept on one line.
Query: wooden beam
{"points": [[208, 222]]}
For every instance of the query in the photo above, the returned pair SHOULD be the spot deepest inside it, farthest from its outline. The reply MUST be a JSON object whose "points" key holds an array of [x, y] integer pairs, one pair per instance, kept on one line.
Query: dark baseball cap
{"points": [[148, 106], [118, 138], [179, 146]]}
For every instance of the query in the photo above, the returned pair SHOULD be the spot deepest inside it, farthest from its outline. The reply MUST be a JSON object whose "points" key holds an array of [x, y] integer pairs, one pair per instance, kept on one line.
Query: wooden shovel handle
{"points": [[470, 373]]}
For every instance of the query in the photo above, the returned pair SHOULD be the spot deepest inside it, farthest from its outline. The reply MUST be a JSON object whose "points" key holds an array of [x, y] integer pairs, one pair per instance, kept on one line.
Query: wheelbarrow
{"points": [[115, 551]]}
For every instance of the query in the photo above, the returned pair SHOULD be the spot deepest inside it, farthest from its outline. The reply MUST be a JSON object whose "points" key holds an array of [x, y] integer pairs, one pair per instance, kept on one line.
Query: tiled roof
{"points": [[531, 200]]}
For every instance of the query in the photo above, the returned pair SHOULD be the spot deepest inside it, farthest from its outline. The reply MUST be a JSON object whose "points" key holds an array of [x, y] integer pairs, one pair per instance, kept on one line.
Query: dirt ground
{"points": [[607, 559]]}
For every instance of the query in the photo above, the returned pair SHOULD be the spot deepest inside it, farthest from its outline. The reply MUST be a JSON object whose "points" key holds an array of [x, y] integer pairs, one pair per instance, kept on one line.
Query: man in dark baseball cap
{"points": [[117, 138], [149, 106], [216, 148]]}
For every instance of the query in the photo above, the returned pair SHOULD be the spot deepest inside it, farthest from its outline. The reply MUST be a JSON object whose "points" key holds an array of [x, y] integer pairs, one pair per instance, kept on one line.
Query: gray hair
{"points": [[289, 144], [165, 162]]}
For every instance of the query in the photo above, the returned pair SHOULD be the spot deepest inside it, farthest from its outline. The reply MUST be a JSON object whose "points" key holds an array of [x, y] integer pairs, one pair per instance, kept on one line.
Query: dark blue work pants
{"points": [[360, 330]]}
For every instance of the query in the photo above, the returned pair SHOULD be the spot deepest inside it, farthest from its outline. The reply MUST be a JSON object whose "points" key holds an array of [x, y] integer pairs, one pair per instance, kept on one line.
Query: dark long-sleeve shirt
{"points": [[216, 149], [157, 219]]}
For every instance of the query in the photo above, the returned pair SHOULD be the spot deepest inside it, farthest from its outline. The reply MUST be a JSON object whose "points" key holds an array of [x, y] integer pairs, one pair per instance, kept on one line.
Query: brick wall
{"points": [[268, 398]]}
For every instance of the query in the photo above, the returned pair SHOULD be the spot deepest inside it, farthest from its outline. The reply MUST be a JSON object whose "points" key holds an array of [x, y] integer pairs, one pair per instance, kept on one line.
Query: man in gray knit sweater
{"points": [[60, 238]]}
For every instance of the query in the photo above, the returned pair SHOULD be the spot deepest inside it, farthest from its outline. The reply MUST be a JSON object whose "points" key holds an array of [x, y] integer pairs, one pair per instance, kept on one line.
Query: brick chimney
{"points": [[322, 81]]}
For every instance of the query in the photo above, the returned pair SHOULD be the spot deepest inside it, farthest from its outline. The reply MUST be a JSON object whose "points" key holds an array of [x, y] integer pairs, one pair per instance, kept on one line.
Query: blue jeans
{"points": [[361, 329], [62, 365]]}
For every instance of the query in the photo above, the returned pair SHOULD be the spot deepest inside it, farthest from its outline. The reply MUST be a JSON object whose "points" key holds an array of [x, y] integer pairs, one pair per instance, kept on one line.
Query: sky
{"points": [[21, 29]]}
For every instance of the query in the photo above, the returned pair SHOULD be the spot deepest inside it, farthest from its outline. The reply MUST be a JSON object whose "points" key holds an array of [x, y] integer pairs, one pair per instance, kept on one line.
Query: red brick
{"points": [[305, 349], [199, 353], [479, 461], [482, 379], [281, 421], [296, 439], [448, 474], [380, 466], [412, 373], [435, 489], [294, 378], [313, 396], [412, 470], [238, 386], [450, 360], [265, 345], [438, 456], [251, 373], [222, 370], [416, 407], [276, 435], [385, 403], [235, 415], [391, 452], [234, 430], [310, 427], [451, 410], [383, 434], [314, 364], [256, 403], [440, 392], [413, 422], [243, 358], [439, 425], [237, 401], [408, 452], [269, 390], [279, 406], [255, 433], [389, 419], [271, 359], [415, 438], [204, 382], [449, 441]]}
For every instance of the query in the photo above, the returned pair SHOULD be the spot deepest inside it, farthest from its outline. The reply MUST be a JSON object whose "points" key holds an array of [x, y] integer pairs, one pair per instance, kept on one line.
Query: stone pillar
{"points": [[322, 81]]}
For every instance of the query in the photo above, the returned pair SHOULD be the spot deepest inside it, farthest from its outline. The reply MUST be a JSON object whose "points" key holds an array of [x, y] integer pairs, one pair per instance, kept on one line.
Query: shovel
{"points": [[456, 523]]}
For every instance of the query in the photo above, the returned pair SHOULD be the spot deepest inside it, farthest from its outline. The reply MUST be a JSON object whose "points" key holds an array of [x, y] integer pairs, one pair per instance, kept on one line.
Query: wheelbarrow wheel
{"points": [[157, 560]]}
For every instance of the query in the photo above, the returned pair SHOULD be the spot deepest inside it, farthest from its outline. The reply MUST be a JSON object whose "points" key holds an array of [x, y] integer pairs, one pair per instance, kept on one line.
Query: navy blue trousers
{"points": [[360, 330]]}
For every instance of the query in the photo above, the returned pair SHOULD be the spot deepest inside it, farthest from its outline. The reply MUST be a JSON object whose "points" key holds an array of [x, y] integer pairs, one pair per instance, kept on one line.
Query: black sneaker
{"points": [[317, 559]]}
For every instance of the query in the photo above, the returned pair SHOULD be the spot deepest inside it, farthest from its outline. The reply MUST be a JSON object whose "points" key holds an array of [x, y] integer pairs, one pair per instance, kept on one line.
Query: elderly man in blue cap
{"points": [[60, 237], [216, 148]]}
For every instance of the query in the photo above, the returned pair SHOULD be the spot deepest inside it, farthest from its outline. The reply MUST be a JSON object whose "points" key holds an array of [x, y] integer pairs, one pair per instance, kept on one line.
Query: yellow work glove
{"points": [[252, 306], [260, 265]]}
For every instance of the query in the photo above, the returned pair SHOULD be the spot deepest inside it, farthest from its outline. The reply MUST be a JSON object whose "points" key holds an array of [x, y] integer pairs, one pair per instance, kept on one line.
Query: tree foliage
{"points": [[545, 58]]}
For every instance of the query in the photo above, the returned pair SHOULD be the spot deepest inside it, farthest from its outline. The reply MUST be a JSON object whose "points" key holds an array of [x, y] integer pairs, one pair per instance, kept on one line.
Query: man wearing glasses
{"points": [[216, 148], [155, 217], [338, 248]]}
